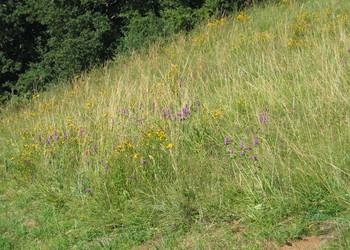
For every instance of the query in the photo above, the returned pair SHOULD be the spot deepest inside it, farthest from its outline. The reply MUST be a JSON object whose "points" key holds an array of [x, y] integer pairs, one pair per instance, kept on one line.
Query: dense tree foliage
{"points": [[44, 41]]}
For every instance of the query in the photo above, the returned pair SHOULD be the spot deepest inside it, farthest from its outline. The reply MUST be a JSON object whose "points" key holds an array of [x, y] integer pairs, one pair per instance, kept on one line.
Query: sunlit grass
{"points": [[243, 126]]}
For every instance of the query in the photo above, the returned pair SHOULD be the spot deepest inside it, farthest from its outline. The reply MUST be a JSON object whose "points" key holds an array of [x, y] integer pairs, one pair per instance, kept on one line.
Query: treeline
{"points": [[43, 41]]}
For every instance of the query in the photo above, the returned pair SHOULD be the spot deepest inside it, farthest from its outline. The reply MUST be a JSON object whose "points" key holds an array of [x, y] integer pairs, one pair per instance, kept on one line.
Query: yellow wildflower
{"points": [[242, 16], [170, 145]]}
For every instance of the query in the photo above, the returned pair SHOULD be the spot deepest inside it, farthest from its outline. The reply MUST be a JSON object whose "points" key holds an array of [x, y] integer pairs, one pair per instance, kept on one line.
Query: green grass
{"points": [[84, 165]]}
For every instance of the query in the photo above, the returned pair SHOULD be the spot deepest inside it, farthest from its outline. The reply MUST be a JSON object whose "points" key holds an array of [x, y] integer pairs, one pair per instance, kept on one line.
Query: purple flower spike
{"points": [[254, 157], [230, 151], [227, 140], [256, 141], [131, 177], [47, 142], [241, 145], [263, 118], [243, 152], [88, 190], [143, 162], [249, 148], [349, 51], [106, 168]]}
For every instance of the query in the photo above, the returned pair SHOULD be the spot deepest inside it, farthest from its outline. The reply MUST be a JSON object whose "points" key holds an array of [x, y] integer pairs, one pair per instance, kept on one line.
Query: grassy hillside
{"points": [[236, 136]]}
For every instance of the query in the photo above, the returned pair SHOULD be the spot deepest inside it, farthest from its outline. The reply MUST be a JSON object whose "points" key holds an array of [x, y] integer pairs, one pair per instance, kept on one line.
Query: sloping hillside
{"points": [[236, 136]]}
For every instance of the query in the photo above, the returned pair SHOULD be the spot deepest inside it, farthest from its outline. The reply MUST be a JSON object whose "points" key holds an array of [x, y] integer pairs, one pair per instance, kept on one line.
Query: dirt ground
{"points": [[307, 243]]}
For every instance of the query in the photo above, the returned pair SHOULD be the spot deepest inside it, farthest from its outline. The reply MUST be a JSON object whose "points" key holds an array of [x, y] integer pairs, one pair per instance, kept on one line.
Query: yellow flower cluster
{"points": [[155, 134], [261, 37], [216, 113], [35, 96], [222, 21], [242, 16]]}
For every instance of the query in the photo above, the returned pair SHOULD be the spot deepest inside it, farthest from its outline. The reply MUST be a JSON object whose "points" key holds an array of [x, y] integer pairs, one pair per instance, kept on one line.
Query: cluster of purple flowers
{"points": [[51, 138], [243, 148], [182, 115], [263, 116]]}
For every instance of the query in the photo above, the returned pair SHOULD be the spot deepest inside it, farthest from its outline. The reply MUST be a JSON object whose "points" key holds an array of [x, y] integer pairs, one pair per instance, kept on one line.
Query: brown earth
{"points": [[307, 243]]}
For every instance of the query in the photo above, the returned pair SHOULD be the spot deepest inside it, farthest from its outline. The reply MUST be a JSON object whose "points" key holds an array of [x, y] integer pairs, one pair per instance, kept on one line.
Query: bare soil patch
{"points": [[309, 243]]}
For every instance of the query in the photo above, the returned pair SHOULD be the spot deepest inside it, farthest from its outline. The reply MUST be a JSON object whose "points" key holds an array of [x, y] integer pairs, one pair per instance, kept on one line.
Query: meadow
{"points": [[236, 136]]}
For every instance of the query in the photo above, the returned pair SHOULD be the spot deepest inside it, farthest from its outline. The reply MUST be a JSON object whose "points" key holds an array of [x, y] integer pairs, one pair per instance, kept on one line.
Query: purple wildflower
{"points": [[256, 141], [230, 151], [88, 190], [55, 133], [343, 61], [143, 162], [39, 138], [227, 140], [254, 157], [82, 130], [243, 152], [263, 118], [65, 137], [241, 145], [131, 177], [47, 142], [95, 148], [106, 168], [349, 51], [249, 148]]}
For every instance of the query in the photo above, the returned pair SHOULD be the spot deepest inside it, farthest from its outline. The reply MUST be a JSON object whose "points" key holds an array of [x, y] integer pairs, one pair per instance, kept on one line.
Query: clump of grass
{"points": [[237, 132]]}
